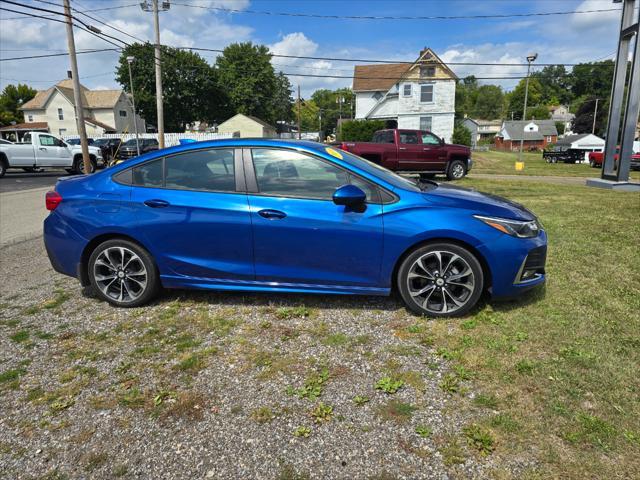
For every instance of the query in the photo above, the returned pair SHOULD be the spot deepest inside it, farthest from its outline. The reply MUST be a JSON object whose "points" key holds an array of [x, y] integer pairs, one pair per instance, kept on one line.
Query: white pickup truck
{"points": [[42, 150]]}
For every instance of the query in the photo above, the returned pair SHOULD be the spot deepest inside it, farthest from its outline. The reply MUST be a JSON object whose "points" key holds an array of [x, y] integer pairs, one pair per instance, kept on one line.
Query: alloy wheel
{"points": [[458, 170], [120, 274], [441, 282]]}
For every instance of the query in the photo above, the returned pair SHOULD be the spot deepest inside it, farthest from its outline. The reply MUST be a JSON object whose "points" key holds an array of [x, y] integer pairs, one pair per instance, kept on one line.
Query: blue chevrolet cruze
{"points": [[286, 216]]}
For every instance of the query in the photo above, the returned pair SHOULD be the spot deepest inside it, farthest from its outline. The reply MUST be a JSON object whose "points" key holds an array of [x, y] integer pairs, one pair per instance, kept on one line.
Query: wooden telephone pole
{"points": [[299, 102], [77, 93]]}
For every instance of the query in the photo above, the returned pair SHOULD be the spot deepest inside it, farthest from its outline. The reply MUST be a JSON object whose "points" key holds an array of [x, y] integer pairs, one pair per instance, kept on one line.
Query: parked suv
{"points": [[128, 149], [416, 151]]}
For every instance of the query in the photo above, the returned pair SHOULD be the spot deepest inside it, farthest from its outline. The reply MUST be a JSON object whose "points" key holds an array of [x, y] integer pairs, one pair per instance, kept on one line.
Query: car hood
{"points": [[478, 202]]}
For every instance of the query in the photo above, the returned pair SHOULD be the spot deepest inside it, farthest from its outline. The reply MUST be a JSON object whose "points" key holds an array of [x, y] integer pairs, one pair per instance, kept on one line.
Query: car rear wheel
{"points": [[457, 170], [3, 167], [123, 273], [78, 165], [440, 280]]}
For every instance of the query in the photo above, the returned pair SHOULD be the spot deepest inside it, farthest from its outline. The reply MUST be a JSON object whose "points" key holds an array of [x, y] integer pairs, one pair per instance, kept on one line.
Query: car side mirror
{"points": [[349, 196], [441, 141]]}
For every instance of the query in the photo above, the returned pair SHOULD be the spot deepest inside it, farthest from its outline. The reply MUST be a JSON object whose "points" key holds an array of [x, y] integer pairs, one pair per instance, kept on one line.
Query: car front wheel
{"points": [[123, 273], [457, 170], [440, 280]]}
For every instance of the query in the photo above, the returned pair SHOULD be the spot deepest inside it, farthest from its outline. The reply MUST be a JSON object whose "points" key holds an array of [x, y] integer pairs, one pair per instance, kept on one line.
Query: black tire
{"points": [[439, 286], [124, 290], [592, 164], [457, 170], [78, 165], [3, 167]]}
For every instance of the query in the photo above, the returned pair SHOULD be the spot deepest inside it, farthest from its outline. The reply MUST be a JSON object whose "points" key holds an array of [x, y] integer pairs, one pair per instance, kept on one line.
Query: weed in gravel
{"points": [[288, 472], [194, 361], [169, 312], [188, 405], [389, 385], [452, 453], [13, 322], [60, 297], [302, 431], [35, 394], [450, 383], [120, 470], [591, 430], [60, 404], [505, 422], [525, 367], [102, 402], [404, 350], [423, 431], [94, 460], [20, 336], [67, 376], [313, 385], [396, 411], [322, 413], [287, 313], [186, 342], [335, 340], [263, 415], [54, 474], [414, 379], [132, 398], [11, 378], [360, 400], [479, 438], [31, 310], [486, 401]]}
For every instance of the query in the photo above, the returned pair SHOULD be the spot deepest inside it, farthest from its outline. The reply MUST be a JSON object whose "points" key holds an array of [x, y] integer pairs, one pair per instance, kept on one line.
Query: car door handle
{"points": [[155, 203], [43, 148], [272, 214], [402, 148]]}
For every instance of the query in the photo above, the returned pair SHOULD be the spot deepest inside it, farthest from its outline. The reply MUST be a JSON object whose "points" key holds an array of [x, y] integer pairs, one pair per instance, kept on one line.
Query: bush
{"points": [[360, 130], [461, 135]]}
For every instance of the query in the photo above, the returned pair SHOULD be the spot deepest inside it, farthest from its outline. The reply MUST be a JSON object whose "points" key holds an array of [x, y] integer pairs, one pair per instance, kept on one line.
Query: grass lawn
{"points": [[559, 373], [504, 163]]}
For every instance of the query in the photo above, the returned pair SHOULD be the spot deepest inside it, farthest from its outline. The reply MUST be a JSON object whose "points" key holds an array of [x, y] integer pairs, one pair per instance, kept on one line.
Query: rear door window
{"points": [[409, 137], [204, 170], [149, 174]]}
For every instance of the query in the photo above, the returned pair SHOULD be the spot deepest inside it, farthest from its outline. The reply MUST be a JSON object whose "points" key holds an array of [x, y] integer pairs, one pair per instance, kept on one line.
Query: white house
{"points": [[419, 95], [247, 126], [482, 130], [561, 113], [586, 142], [105, 111]]}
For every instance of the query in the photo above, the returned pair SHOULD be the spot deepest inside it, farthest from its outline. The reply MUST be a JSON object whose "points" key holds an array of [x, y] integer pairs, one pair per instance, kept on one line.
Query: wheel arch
{"points": [[83, 273], [4, 159], [486, 271]]}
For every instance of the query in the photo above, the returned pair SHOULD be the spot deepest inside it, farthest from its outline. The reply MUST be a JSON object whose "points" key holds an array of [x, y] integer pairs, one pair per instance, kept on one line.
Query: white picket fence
{"points": [[170, 139]]}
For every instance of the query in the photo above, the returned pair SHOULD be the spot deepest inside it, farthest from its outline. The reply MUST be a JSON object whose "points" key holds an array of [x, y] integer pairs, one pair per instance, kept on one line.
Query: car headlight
{"points": [[515, 228]]}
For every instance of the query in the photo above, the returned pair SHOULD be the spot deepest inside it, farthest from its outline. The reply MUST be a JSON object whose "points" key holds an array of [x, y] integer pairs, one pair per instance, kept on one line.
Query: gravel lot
{"points": [[209, 385]]}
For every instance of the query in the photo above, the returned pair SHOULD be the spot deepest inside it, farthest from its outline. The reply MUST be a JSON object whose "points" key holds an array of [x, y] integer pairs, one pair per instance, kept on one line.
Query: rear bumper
{"points": [[63, 245]]}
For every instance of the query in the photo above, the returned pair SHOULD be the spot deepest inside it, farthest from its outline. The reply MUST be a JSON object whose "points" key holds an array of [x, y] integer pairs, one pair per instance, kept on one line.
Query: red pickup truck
{"points": [[415, 151], [596, 158]]}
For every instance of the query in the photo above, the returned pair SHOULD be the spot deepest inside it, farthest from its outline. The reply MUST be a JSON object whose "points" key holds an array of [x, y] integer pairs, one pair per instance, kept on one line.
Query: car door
{"points": [[300, 237], [433, 154], [51, 152], [409, 150], [192, 211]]}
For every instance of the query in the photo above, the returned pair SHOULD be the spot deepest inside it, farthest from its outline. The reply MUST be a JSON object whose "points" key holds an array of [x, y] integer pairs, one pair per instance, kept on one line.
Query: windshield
{"points": [[100, 141], [381, 172], [130, 143], [73, 141]]}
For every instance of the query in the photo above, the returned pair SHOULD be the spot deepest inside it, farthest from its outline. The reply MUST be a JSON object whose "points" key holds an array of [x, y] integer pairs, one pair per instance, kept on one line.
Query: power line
{"points": [[96, 50], [92, 10], [393, 17], [369, 60], [105, 23]]}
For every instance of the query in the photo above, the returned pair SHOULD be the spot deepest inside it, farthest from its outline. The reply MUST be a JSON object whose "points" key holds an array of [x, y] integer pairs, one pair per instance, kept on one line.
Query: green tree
{"points": [[331, 108], [360, 130], [246, 73], [560, 127], [282, 101], [516, 97], [461, 134], [190, 86], [555, 82], [308, 115], [593, 79], [583, 122], [538, 112], [466, 96], [11, 99], [488, 103]]}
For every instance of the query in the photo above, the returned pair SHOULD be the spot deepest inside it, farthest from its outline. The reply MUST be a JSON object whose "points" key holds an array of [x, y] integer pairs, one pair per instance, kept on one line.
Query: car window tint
{"points": [[369, 189], [47, 141], [408, 137], [149, 174], [207, 170], [292, 174], [430, 139]]}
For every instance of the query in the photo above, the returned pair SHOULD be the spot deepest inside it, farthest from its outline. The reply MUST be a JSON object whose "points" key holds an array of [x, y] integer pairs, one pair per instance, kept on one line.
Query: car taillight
{"points": [[52, 200], [343, 146]]}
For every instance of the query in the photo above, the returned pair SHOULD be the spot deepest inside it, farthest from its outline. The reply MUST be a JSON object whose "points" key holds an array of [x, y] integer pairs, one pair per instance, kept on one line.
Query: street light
{"points": [[530, 59], [130, 60]]}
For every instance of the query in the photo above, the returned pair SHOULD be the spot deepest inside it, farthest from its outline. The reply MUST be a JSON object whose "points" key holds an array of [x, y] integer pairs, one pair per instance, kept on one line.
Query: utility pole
{"points": [[530, 58], [595, 114], [156, 24], [299, 102], [130, 60], [77, 94]]}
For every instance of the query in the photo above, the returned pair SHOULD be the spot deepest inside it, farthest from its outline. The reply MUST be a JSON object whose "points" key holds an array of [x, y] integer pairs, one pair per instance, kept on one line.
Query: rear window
{"points": [[384, 137]]}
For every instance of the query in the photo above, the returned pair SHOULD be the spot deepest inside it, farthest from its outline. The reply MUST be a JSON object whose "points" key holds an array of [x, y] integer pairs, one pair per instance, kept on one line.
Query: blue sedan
{"points": [[286, 216]]}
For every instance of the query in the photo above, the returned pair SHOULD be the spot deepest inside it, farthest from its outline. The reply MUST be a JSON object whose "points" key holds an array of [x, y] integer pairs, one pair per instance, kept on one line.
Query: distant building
{"points": [[560, 113], [247, 126], [535, 134], [105, 111], [586, 142], [482, 130], [419, 95]]}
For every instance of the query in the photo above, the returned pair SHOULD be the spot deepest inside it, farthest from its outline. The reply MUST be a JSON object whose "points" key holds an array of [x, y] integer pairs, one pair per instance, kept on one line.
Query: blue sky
{"points": [[572, 38]]}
